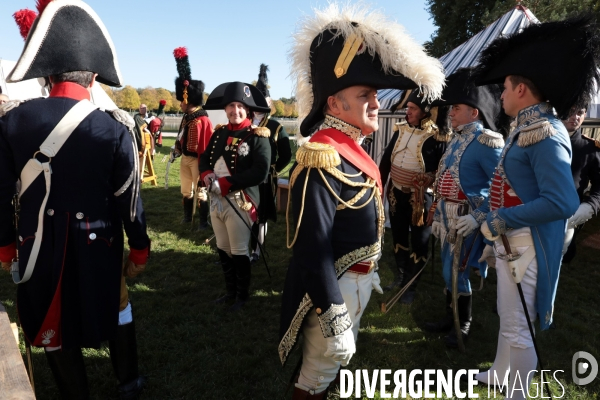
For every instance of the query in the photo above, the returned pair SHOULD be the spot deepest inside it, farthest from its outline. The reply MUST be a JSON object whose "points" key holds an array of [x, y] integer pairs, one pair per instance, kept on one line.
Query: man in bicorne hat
{"points": [[194, 134], [462, 183], [340, 59], [236, 161], [585, 168], [532, 191], [411, 160], [79, 188], [281, 154]]}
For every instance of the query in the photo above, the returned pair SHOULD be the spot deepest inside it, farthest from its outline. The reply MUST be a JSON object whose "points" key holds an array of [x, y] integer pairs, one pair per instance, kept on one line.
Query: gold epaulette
{"points": [[595, 141], [440, 137], [318, 155], [491, 139], [535, 133], [219, 126], [398, 124], [262, 131]]}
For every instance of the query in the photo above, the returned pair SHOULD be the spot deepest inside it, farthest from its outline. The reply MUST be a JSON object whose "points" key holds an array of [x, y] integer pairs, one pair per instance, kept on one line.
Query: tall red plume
{"points": [[24, 19], [180, 52], [41, 5], [163, 102]]}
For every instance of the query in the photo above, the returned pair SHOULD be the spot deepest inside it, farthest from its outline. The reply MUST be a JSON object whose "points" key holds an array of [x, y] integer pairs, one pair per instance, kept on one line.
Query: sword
{"points": [[387, 306], [511, 258], [458, 241], [171, 160], [15, 263], [262, 252]]}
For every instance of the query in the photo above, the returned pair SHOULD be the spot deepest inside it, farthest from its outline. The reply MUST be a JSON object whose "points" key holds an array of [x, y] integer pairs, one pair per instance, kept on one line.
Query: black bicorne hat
{"points": [[186, 89], [344, 47], [240, 92], [414, 96], [68, 36], [460, 89], [561, 58], [262, 83]]}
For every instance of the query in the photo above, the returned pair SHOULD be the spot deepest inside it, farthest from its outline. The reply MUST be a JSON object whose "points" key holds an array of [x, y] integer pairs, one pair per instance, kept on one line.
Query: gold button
{"points": [[339, 71], [318, 310]]}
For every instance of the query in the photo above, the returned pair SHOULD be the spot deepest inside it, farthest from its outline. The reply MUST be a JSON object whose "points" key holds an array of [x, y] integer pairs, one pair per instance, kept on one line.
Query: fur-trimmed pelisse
{"points": [[67, 36], [387, 58], [561, 58]]}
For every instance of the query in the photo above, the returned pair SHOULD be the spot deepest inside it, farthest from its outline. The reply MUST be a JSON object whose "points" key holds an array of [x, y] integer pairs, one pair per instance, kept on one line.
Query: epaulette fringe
{"points": [[491, 139], [219, 126], [123, 117], [318, 155], [535, 133], [262, 131], [9, 105]]}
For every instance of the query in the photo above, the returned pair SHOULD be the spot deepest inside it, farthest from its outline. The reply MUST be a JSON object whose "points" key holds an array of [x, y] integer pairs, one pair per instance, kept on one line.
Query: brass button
{"points": [[79, 215], [318, 310], [50, 212], [92, 236]]}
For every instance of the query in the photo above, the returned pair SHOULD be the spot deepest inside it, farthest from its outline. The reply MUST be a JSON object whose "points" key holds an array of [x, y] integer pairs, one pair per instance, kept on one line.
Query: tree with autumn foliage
{"points": [[459, 20]]}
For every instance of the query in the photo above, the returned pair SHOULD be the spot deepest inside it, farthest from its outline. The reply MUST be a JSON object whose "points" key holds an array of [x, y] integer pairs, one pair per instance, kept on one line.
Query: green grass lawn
{"points": [[192, 349]]}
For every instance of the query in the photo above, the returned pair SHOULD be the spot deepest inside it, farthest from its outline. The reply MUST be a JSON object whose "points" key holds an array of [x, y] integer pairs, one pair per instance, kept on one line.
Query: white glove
{"points": [[376, 283], [568, 238], [488, 256], [215, 188], [485, 229], [209, 178], [466, 225], [583, 213], [341, 347], [436, 228]]}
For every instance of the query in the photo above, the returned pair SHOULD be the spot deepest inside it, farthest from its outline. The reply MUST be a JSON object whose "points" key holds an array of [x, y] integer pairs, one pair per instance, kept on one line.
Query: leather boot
{"points": [[243, 274], [300, 394], [399, 270], [188, 205], [445, 324], [230, 277], [68, 369], [123, 355], [464, 316], [204, 209]]}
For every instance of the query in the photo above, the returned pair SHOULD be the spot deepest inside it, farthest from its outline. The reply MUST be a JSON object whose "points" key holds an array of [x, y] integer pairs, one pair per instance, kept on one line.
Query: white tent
{"points": [[33, 88], [465, 55]]}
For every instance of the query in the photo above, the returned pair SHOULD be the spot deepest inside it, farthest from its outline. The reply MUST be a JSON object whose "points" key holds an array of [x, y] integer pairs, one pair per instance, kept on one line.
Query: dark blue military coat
{"points": [[72, 298]]}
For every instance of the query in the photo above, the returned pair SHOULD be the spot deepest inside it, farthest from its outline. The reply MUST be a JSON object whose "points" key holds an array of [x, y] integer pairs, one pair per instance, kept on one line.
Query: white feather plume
{"points": [[398, 51]]}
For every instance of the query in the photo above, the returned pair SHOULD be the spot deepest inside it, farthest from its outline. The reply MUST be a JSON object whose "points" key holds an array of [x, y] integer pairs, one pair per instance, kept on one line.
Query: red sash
{"points": [[351, 151]]}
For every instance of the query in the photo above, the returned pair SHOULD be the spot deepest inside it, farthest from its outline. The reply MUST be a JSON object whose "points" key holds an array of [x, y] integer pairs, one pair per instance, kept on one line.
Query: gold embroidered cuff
{"points": [[335, 320]]}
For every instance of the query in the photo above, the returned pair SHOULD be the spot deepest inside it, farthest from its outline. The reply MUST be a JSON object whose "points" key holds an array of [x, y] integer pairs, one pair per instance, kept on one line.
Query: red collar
{"points": [[351, 151], [70, 90], [246, 123]]}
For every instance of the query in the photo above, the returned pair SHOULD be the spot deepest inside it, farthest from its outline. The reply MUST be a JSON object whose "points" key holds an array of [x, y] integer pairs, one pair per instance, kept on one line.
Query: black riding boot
{"points": [[445, 324], [68, 369], [243, 274], [399, 270], [230, 277], [188, 205], [464, 316], [204, 210], [124, 358]]}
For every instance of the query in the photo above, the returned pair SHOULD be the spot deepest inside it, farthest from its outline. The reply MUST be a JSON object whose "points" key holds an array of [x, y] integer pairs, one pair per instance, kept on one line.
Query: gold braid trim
{"points": [[535, 133], [262, 131], [355, 256], [293, 178], [219, 126], [353, 200], [318, 155], [290, 336], [345, 203]]}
